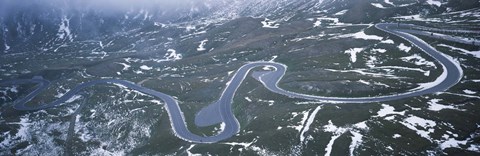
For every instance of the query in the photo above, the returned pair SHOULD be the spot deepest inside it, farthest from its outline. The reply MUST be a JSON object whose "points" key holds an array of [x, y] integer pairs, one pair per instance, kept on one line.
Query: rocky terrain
{"points": [[191, 49]]}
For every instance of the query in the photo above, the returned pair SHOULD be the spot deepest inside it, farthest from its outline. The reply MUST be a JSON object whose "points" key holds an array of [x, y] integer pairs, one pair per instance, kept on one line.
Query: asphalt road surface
{"points": [[452, 73]]}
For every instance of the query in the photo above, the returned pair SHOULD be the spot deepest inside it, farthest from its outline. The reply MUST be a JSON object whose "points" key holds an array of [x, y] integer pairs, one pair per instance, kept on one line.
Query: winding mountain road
{"points": [[452, 73]]}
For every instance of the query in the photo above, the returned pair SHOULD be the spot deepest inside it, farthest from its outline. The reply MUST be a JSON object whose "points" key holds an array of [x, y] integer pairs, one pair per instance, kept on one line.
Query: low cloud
{"points": [[8, 6]]}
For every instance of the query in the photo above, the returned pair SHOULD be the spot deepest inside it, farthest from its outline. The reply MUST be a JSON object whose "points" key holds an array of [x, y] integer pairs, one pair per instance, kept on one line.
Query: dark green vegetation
{"points": [[117, 121]]}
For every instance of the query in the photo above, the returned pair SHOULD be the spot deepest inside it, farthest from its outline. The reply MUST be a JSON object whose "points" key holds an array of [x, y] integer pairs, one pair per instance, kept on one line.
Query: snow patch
{"points": [[64, 29], [100, 44], [434, 2], [158, 24], [248, 99], [7, 47], [451, 142], [337, 132], [356, 141], [73, 98], [363, 72], [309, 122], [201, 47], [172, 55], [341, 12], [371, 61], [364, 82], [190, 153], [5, 30], [389, 2], [361, 125], [475, 148], [144, 67], [418, 60], [466, 91], [269, 24], [353, 53], [403, 47], [302, 122], [273, 58], [360, 35], [379, 50], [125, 66], [388, 110], [435, 106], [220, 129], [189, 28], [378, 5], [389, 41], [396, 136], [422, 127]]}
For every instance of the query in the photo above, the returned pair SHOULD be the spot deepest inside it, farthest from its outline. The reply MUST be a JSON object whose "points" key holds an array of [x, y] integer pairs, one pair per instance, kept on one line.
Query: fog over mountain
{"points": [[27, 22], [105, 5]]}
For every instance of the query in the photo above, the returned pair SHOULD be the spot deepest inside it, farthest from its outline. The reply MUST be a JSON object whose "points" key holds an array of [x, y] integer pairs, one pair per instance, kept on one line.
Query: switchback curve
{"points": [[452, 73]]}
